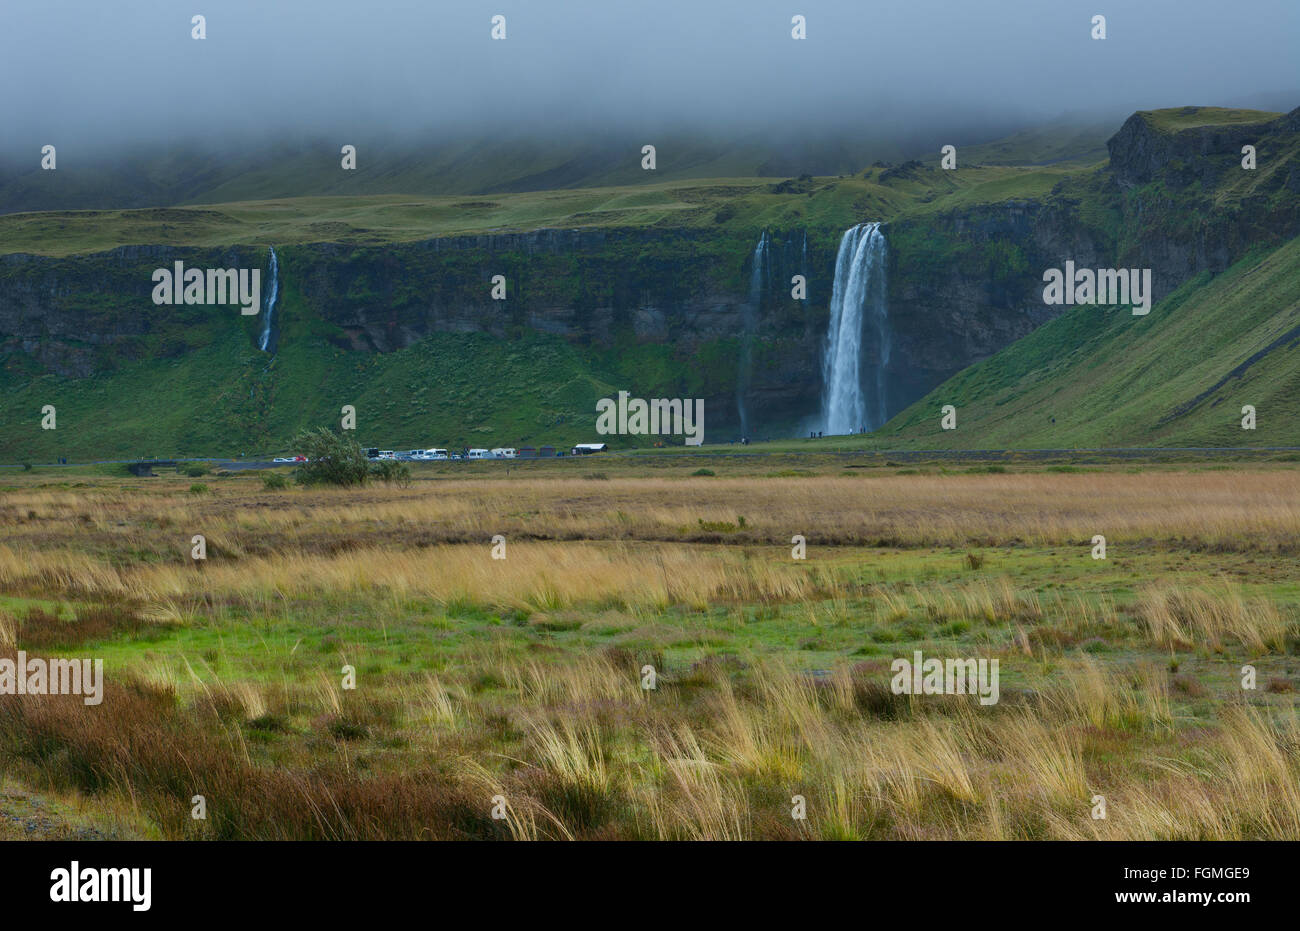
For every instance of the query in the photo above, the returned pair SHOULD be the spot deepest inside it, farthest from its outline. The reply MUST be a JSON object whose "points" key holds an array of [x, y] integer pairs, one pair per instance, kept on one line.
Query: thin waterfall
{"points": [[757, 283], [803, 261], [264, 341], [858, 300]]}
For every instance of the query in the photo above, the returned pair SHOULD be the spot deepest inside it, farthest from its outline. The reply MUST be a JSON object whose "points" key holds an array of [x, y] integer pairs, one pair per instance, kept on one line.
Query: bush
{"points": [[390, 471], [274, 481], [196, 471], [332, 459], [198, 488], [703, 472]]}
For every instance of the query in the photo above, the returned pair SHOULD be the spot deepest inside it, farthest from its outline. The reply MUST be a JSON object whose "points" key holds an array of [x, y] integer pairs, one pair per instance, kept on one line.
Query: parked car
{"points": [[435, 453], [372, 452], [387, 454]]}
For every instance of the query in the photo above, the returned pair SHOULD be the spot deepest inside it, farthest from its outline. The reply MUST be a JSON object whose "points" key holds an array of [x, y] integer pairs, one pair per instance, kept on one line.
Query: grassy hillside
{"points": [[1174, 119], [1176, 377], [450, 389], [1057, 143], [190, 173], [723, 204]]}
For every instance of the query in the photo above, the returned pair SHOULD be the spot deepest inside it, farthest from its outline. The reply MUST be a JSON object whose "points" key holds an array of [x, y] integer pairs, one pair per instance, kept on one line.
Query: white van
{"points": [[478, 454], [505, 452], [435, 453], [387, 454]]}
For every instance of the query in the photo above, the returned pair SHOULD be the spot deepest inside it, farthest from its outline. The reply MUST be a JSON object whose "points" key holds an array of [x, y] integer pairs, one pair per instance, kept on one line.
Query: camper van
{"points": [[387, 454], [505, 452], [435, 453], [478, 454]]}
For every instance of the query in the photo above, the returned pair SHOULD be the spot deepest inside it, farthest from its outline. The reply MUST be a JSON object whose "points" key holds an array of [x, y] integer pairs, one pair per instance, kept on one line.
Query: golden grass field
{"points": [[521, 678]]}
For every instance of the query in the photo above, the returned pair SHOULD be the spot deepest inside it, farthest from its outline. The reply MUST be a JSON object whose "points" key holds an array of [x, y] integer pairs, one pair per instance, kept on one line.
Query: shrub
{"points": [[704, 472], [198, 488], [332, 459], [390, 471], [196, 471], [274, 481]]}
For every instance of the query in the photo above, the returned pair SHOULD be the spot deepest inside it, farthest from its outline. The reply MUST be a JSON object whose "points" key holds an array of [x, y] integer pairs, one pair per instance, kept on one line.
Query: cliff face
{"points": [[604, 291], [582, 285], [610, 293], [83, 315], [966, 284], [1187, 203], [1151, 146]]}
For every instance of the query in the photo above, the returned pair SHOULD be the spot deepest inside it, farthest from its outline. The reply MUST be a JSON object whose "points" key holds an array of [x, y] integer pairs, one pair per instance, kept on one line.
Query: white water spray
{"points": [[264, 341], [857, 298]]}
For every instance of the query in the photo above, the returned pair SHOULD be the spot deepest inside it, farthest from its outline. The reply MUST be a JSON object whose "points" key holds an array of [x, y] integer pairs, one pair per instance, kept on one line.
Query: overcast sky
{"points": [[110, 70]]}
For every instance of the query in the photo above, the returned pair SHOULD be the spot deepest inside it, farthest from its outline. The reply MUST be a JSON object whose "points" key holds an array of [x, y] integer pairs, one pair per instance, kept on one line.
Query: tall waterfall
{"points": [[858, 301], [264, 341], [757, 282]]}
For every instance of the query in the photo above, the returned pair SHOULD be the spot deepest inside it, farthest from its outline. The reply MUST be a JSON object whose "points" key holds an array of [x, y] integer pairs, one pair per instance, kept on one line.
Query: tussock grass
{"points": [[521, 678], [597, 759], [1182, 617]]}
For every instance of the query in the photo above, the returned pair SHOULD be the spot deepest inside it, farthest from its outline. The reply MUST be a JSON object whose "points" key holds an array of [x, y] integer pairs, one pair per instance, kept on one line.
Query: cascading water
{"points": [[757, 282], [264, 341], [803, 260], [858, 297]]}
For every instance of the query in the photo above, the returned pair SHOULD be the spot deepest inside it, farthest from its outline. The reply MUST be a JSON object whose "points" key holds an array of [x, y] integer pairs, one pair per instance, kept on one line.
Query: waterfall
{"points": [[264, 341], [803, 261], [757, 282], [858, 299]]}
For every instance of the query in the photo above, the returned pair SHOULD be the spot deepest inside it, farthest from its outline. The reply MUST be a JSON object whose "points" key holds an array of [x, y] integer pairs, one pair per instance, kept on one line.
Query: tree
{"points": [[332, 459]]}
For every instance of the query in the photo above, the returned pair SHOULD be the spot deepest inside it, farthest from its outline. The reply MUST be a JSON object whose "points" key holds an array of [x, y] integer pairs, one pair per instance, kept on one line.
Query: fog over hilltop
{"points": [[87, 74]]}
